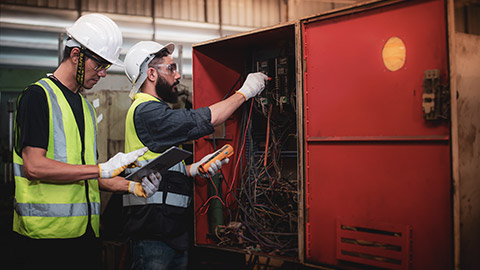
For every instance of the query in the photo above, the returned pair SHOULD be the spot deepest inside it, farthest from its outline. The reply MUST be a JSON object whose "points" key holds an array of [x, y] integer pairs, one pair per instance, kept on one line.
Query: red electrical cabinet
{"points": [[364, 178]]}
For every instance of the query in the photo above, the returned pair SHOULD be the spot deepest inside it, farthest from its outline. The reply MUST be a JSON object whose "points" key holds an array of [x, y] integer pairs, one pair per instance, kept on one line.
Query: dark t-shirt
{"points": [[33, 116]]}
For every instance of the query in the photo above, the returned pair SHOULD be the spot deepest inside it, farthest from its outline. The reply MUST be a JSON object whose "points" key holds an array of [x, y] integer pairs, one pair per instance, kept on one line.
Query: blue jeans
{"points": [[154, 254]]}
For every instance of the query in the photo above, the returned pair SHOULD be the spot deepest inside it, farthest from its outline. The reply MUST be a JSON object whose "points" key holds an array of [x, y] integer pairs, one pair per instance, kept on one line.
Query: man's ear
{"points": [[151, 74], [74, 55]]}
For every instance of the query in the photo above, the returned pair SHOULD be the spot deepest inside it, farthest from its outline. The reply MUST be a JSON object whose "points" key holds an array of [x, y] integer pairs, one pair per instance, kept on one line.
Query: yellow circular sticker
{"points": [[394, 54]]}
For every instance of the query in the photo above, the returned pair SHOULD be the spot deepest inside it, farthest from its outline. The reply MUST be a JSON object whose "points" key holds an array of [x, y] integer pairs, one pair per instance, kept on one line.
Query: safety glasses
{"points": [[171, 68], [100, 64]]}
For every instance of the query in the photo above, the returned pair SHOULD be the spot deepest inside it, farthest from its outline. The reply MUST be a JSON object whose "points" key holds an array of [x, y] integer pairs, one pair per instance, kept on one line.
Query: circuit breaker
{"points": [[334, 164]]}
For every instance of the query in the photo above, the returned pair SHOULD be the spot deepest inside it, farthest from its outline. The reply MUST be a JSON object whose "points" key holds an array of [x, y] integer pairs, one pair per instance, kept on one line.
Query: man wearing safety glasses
{"points": [[158, 226], [57, 178]]}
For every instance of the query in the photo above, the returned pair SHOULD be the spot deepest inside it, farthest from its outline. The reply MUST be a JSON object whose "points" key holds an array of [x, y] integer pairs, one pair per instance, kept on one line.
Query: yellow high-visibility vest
{"points": [[133, 142], [45, 209]]}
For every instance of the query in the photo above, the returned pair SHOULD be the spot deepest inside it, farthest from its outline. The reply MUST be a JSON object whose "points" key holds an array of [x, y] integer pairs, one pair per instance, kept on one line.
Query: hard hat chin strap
{"points": [[81, 68]]}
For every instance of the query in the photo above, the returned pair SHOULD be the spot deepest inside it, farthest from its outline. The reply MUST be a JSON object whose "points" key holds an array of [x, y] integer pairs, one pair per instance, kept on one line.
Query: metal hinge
{"points": [[436, 97]]}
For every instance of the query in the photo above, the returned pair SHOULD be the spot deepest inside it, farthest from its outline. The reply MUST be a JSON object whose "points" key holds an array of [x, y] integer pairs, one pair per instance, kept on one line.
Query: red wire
{"points": [[239, 155], [213, 184], [211, 197], [207, 205]]}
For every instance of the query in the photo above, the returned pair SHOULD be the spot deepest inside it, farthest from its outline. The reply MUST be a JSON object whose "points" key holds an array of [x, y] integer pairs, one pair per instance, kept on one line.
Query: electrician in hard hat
{"points": [[158, 226], [57, 179]]}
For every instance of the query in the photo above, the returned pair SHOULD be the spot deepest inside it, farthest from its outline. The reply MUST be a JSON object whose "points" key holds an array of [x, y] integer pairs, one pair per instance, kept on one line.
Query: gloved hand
{"points": [[119, 162], [253, 85], [214, 166], [147, 188]]}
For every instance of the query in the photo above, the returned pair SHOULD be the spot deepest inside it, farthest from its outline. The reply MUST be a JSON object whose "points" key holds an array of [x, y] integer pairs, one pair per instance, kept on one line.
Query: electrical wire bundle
{"points": [[266, 199], [260, 212]]}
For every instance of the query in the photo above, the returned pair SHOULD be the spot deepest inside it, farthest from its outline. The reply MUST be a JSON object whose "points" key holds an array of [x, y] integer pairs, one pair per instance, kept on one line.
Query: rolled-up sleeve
{"points": [[158, 126]]}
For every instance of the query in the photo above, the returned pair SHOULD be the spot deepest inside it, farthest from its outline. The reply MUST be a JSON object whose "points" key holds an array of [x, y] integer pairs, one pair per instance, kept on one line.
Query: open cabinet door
{"points": [[378, 170]]}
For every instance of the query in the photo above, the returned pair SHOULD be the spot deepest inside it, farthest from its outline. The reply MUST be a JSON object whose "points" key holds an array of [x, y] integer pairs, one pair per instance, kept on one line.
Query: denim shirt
{"points": [[160, 127]]}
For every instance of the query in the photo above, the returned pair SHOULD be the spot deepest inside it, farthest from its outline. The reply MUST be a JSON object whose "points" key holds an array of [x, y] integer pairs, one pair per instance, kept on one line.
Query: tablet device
{"points": [[161, 163]]}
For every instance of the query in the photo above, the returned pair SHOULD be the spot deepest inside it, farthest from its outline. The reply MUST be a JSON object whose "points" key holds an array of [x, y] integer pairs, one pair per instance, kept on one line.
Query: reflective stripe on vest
{"points": [[55, 210], [172, 199], [47, 209], [179, 200], [60, 145], [18, 170]]}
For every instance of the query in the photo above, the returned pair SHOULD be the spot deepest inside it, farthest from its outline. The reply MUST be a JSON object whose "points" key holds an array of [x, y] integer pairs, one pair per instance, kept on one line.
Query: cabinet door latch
{"points": [[436, 97]]}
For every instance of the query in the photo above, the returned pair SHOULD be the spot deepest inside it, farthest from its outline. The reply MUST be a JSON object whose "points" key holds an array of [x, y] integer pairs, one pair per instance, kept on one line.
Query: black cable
{"points": [[265, 202]]}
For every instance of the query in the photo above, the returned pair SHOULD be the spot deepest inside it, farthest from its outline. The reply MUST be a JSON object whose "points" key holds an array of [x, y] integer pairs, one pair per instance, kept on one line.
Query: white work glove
{"points": [[253, 85], [119, 162], [147, 188], [214, 166]]}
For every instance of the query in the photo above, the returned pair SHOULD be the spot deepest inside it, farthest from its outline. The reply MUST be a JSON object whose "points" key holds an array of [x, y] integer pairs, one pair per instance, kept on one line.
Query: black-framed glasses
{"points": [[100, 64], [171, 68]]}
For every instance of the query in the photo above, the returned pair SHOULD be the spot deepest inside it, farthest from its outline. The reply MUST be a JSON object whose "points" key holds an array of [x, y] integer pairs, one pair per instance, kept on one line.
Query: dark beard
{"points": [[165, 91]]}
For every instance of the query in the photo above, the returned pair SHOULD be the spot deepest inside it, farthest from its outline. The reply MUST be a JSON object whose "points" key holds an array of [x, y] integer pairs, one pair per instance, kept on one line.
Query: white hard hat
{"points": [[137, 59], [99, 34]]}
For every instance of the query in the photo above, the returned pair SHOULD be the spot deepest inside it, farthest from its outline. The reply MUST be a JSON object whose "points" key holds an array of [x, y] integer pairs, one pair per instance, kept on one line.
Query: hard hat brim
{"points": [[118, 63], [170, 47]]}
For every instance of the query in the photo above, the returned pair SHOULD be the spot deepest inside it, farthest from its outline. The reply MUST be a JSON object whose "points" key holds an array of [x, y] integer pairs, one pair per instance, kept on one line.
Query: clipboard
{"points": [[161, 163]]}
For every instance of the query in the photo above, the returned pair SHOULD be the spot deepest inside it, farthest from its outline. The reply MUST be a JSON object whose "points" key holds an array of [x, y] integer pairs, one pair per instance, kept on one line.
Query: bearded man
{"points": [[158, 227]]}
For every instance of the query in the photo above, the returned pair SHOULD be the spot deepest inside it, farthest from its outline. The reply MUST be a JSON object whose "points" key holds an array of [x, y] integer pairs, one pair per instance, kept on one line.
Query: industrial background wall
{"points": [[468, 84]]}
